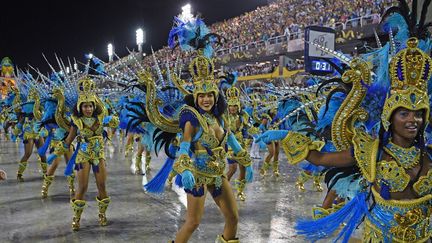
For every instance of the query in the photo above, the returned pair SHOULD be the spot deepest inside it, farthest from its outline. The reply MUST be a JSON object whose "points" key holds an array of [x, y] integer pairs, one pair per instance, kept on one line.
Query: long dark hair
{"points": [[217, 110]]}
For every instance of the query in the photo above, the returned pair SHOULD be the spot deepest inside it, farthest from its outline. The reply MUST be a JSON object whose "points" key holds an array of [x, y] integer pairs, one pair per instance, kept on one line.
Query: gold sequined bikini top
{"points": [[391, 172], [204, 136], [84, 126]]}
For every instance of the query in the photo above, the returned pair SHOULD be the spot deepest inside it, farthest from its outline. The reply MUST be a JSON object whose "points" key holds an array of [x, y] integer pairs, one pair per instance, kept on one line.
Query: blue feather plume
{"points": [[157, 184], [397, 22], [71, 163], [42, 150], [351, 214], [326, 119]]}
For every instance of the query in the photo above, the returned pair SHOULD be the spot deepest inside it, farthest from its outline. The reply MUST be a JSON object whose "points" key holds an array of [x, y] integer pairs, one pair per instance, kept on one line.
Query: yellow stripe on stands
{"points": [[275, 74]]}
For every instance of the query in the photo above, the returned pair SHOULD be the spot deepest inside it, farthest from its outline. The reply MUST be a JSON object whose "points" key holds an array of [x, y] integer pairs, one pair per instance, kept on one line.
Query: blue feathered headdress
{"points": [[192, 34]]}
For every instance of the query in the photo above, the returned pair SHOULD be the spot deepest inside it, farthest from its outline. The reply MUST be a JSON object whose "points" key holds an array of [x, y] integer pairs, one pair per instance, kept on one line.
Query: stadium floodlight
{"points": [[67, 70], [110, 52], [90, 55], [139, 38], [186, 14]]}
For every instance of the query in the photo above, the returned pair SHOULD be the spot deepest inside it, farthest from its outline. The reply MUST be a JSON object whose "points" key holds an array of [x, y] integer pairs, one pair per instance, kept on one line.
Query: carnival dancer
{"points": [[201, 159], [267, 120], [386, 144], [58, 125], [28, 115], [255, 148], [239, 124], [88, 121], [145, 146]]}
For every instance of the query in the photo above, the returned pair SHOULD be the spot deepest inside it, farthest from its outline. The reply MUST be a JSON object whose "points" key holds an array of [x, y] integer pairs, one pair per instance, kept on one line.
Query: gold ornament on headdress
{"points": [[409, 74], [201, 68], [233, 96], [86, 91]]}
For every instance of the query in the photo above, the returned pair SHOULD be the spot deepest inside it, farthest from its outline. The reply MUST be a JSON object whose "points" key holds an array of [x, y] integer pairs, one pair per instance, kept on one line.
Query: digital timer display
{"points": [[321, 66]]}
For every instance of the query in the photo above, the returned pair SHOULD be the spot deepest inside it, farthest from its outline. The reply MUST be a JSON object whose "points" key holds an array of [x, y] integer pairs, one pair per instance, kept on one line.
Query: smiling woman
{"points": [[406, 125], [395, 167], [89, 119]]}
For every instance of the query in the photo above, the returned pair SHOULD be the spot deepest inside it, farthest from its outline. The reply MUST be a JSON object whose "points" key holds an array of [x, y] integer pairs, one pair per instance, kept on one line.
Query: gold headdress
{"points": [[201, 68], [86, 92], [233, 96], [409, 74]]}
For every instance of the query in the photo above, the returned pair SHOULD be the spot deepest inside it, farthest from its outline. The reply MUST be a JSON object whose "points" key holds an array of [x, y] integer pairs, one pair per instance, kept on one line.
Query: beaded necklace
{"points": [[211, 120], [89, 121], [406, 157]]}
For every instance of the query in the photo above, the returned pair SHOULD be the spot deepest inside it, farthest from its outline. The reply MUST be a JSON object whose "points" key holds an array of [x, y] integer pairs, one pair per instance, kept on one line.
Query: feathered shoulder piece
{"points": [[190, 114]]}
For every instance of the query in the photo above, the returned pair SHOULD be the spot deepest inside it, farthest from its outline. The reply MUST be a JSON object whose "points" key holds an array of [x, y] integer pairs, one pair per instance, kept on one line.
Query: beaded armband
{"points": [[253, 130], [183, 163], [297, 147], [243, 158]]}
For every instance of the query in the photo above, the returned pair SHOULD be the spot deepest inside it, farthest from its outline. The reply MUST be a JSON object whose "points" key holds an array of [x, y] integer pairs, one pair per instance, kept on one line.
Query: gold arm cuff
{"points": [[253, 130], [297, 147], [242, 158], [183, 163]]}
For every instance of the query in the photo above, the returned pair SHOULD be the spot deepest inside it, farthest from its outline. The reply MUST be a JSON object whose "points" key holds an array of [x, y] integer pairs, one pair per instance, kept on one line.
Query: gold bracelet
{"points": [[242, 158], [183, 163], [297, 147]]}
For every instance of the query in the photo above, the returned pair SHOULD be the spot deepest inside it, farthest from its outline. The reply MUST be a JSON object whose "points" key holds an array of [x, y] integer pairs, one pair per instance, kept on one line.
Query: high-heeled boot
{"points": [[171, 176], [221, 239], [240, 186], [43, 165], [129, 149], [264, 168], [147, 161], [301, 180], [317, 183], [21, 168], [71, 180], [276, 168], [320, 212], [78, 208], [138, 170], [46, 184], [103, 205]]}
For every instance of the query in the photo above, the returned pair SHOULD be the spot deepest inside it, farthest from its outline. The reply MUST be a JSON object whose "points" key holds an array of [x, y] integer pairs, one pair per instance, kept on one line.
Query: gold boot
{"points": [[220, 239], [78, 208], [21, 168], [276, 168], [240, 186], [264, 168], [71, 180], [46, 184], [43, 166], [103, 205], [303, 177], [317, 183], [171, 176], [147, 161], [320, 212], [129, 149], [138, 161]]}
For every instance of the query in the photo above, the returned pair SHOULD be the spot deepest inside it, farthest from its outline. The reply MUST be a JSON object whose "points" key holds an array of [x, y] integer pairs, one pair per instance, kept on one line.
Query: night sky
{"points": [[74, 28]]}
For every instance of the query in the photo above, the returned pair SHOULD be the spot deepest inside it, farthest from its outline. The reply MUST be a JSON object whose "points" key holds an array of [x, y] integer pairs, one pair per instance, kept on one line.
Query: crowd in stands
{"points": [[283, 17], [255, 69]]}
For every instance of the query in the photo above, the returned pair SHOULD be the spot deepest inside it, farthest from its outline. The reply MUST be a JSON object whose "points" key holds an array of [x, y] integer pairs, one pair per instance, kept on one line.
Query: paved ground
{"points": [[268, 215]]}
